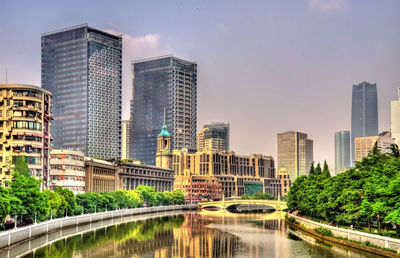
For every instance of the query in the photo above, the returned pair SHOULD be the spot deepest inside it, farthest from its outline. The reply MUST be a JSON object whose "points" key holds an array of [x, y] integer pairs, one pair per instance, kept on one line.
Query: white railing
{"points": [[14, 236]]}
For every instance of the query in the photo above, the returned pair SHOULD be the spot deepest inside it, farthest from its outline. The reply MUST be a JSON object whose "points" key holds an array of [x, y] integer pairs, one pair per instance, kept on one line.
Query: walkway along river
{"points": [[183, 234]]}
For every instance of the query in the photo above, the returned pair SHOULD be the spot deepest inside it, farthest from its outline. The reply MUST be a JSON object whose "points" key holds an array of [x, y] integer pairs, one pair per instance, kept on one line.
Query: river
{"points": [[195, 234]]}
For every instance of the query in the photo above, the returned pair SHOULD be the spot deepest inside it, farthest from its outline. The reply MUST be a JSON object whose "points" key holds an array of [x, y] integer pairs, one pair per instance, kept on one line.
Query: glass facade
{"points": [[342, 151], [164, 83], [364, 112], [214, 136], [82, 68]]}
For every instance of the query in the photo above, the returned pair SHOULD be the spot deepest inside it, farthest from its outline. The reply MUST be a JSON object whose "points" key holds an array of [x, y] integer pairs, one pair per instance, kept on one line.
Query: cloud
{"points": [[326, 6], [135, 48]]}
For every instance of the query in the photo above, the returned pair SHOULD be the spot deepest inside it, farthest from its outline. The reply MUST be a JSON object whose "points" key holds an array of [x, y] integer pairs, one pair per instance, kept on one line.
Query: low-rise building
{"points": [[364, 144], [101, 176], [67, 169], [25, 118], [131, 175]]}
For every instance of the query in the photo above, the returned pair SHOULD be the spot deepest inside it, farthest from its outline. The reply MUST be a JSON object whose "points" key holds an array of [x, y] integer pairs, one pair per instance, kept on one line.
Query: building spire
{"points": [[164, 117]]}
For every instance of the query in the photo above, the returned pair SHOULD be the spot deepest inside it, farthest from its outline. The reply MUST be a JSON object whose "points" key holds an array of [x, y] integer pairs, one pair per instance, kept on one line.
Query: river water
{"points": [[196, 234]]}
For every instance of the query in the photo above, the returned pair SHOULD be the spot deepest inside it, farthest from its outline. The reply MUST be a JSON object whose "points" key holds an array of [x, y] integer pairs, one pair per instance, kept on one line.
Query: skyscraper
{"points": [[295, 153], [81, 67], [126, 138], [163, 83], [214, 136], [364, 113], [395, 119], [342, 151]]}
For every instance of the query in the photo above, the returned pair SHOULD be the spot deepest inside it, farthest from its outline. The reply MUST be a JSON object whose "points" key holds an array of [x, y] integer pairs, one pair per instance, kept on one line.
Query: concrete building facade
{"points": [[163, 84], [364, 144], [295, 153], [342, 151], [395, 119], [25, 123], [67, 169], [82, 68], [232, 171], [364, 113], [100, 176], [214, 136], [126, 139], [284, 178]]}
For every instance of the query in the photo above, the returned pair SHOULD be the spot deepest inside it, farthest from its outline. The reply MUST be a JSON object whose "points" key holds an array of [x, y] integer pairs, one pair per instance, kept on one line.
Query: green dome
{"points": [[164, 132]]}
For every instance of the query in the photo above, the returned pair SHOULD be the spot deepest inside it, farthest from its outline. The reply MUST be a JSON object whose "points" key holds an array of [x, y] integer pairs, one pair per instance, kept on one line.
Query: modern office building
{"points": [[163, 84], [342, 151], [101, 176], [364, 113], [364, 144], [67, 169], [25, 122], [214, 136], [126, 139], [237, 174], [81, 67], [395, 119], [295, 153]]}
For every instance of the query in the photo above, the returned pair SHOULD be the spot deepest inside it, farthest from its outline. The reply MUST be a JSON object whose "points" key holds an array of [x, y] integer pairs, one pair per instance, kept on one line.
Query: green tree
{"points": [[318, 170], [148, 193], [325, 171], [57, 203], [5, 205], [312, 169], [21, 166], [31, 200], [69, 198], [394, 148]]}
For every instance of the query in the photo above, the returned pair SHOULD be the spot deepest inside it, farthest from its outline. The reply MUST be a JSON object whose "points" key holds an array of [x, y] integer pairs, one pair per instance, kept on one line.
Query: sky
{"points": [[263, 66]]}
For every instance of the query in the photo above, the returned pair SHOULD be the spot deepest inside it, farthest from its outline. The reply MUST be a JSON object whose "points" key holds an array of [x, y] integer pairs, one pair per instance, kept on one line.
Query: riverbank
{"points": [[15, 236], [354, 239]]}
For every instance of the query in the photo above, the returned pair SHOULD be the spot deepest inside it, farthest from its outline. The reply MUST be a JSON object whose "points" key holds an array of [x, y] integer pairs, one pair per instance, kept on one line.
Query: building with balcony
{"points": [[67, 169], [214, 136], [161, 84], [100, 176], [82, 68], [25, 121]]}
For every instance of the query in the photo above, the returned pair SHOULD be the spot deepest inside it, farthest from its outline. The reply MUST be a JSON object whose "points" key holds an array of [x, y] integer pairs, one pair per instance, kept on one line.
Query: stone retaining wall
{"points": [[382, 241], [14, 236]]}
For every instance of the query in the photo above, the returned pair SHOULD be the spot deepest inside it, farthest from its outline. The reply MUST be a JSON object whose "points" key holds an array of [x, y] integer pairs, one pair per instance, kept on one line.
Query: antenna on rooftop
{"points": [[164, 116]]}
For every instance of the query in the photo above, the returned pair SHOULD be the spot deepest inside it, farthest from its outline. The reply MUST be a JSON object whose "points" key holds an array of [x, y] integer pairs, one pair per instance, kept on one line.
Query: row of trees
{"points": [[257, 196], [368, 193], [25, 200]]}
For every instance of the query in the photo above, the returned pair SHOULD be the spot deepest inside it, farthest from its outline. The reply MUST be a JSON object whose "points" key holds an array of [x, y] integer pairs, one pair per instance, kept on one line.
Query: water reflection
{"points": [[199, 234]]}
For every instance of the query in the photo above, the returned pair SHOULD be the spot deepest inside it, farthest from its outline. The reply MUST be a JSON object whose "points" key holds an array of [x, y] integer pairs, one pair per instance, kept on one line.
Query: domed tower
{"points": [[164, 151]]}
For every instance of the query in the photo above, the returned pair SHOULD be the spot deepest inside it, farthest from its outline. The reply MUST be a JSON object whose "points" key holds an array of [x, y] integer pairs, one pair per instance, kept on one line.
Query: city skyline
{"points": [[251, 99]]}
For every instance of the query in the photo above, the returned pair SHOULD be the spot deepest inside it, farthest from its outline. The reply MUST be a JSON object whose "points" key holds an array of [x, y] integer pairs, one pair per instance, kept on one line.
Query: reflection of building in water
{"points": [[193, 239]]}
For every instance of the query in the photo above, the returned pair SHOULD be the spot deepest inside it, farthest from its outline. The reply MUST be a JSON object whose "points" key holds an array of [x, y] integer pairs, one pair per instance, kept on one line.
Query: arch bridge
{"points": [[226, 204]]}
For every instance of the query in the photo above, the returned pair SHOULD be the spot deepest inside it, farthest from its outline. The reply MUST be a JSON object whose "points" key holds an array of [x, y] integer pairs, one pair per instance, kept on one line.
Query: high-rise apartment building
{"points": [[126, 139], [295, 153], [364, 144], [81, 67], [342, 151], [25, 120], [364, 113], [395, 119], [214, 136], [163, 83]]}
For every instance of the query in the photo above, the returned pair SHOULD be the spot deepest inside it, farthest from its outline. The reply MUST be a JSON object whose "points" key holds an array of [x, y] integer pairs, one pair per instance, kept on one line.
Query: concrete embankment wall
{"points": [[382, 241], [15, 236]]}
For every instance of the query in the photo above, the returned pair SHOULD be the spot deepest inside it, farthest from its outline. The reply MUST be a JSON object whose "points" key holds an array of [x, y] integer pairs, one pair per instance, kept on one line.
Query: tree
{"points": [[121, 198], [57, 203], [178, 197], [394, 148], [312, 169], [21, 166], [4, 204], [31, 200], [325, 171], [69, 198], [148, 193], [318, 170]]}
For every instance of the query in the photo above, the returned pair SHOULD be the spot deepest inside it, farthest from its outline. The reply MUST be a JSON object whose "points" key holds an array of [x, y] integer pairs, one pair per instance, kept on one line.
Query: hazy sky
{"points": [[263, 66]]}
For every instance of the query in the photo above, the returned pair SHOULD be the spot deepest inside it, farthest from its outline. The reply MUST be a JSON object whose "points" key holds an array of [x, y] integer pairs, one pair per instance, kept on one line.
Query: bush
{"points": [[292, 220], [323, 231]]}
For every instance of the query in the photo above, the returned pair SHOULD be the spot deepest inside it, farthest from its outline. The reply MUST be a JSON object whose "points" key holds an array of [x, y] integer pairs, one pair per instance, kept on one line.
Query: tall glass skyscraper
{"points": [[364, 113], [214, 136], [81, 67], [163, 83], [342, 151]]}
